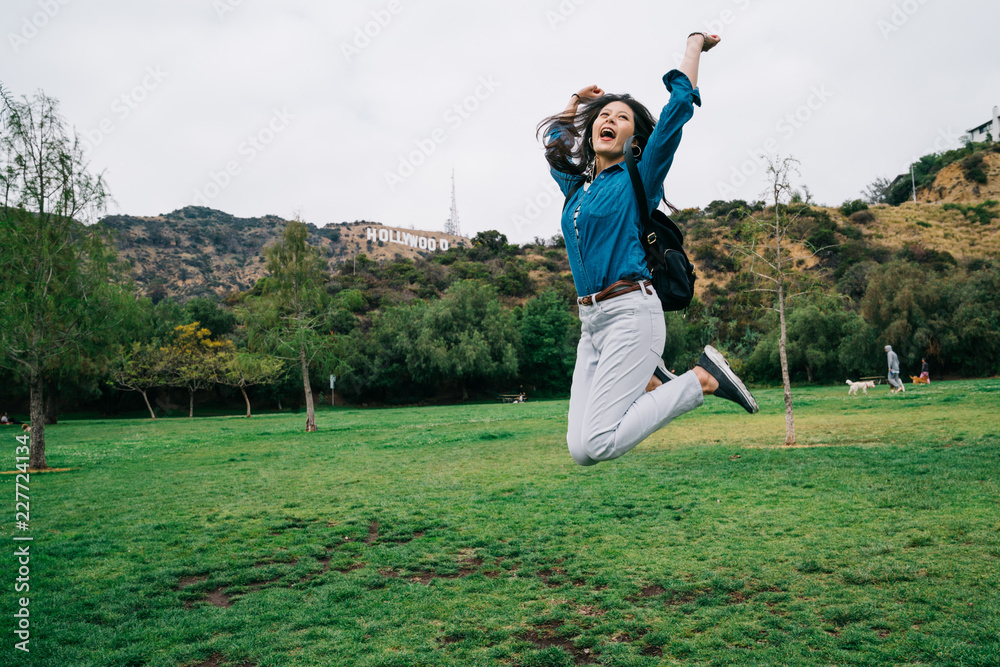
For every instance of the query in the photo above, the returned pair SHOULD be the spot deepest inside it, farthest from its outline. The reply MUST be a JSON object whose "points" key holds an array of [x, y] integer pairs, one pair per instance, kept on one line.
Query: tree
{"points": [[193, 360], [911, 309], [246, 369], [216, 319], [877, 191], [489, 244], [465, 338], [549, 334], [139, 368], [822, 336], [58, 276], [289, 316], [770, 255]]}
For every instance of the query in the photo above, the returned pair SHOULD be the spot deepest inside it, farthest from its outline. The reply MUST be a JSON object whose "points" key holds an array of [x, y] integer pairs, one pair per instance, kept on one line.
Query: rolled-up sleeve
{"points": [[666, 137]]}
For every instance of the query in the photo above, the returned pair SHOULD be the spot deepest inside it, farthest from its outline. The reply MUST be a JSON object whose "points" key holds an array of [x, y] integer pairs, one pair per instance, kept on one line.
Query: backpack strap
{"points": [[648, 233], [649, 236]]}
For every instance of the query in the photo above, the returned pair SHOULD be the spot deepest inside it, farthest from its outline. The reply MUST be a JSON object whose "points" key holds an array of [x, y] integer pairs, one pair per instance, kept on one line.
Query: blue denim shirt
{"points": [[603, 244]]}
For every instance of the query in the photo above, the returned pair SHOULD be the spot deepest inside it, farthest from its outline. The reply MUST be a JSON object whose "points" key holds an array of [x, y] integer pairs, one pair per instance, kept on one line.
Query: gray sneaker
{"points": [[730, 386]]}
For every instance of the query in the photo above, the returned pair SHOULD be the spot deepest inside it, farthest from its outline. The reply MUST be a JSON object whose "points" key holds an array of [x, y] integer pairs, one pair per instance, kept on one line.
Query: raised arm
{"points": [[558, 130], [697, 43], [588, 93]]}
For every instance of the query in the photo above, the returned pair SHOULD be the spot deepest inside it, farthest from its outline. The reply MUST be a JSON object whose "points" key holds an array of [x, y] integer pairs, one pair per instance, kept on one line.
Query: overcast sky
{"points": [[343, 111]]}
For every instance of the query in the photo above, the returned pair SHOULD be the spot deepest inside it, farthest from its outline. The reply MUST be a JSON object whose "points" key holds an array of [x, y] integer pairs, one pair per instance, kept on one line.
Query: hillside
{"points": [[953, 183], [877, 234], [198, 251]]}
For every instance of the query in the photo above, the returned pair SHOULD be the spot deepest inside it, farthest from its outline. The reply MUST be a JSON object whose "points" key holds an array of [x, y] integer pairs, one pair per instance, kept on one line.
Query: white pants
{"points": [[609, 410]]}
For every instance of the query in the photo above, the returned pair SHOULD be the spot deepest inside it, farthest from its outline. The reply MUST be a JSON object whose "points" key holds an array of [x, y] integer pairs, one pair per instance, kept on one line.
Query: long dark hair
{"points": [[573, 150]]}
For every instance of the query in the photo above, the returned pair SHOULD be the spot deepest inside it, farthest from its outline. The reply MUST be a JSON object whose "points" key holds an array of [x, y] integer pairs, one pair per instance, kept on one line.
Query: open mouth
{"points": [[607, 134]]}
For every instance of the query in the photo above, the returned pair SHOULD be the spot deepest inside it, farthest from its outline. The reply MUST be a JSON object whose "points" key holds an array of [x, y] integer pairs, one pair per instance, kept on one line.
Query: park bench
{"points": [[509, 398]]}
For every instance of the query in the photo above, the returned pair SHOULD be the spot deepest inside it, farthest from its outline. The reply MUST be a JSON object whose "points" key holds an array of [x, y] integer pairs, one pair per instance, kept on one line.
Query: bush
{"points": [[980, 212], [728, 210], [849, 208], [713, 258], [862, 217], [972, 168], [937, 260], [850, 232]]}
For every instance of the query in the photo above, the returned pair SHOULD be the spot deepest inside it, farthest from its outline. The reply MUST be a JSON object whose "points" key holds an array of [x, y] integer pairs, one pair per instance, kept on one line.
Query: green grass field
{"points": [[465, 535]]}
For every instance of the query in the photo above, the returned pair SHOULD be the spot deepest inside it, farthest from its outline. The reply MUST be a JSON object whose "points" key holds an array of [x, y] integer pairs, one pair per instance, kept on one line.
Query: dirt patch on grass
{"points": [[257, 585], [549, 572], [683, 597], [357, 565], [372, 533], [190, 581], [219, 598], [543, 637], [652, 591], [590, 611]]}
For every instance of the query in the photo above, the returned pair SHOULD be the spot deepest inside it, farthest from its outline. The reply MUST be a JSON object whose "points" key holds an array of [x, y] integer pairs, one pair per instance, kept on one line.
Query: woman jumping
{"points": [[621, 393]]}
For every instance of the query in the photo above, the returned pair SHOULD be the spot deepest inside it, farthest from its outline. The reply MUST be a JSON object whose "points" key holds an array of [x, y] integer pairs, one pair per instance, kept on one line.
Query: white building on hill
{"points": [[988, 130]]}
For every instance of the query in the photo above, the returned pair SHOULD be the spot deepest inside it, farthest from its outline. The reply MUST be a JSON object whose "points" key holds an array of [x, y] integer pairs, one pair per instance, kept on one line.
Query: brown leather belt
{"points": [[615, 289]]}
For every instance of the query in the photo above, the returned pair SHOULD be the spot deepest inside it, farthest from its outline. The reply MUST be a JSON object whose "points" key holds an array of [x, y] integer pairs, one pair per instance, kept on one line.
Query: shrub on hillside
{"points": [[863, 217], [849, 208], [713, 258], [851, 232], [729, 210], [972, 168], [937, 260]]}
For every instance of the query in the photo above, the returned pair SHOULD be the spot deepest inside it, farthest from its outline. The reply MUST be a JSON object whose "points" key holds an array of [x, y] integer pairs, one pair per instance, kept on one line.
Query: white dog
{"points": [[863, 386]]}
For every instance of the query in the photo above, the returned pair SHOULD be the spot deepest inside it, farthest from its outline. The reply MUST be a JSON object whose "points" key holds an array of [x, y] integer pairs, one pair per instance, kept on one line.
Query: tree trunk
{"points": [[190, 402], [310, 409], [52, 404], [152, 415], [36, 454], [782, 337], [247, 399]]}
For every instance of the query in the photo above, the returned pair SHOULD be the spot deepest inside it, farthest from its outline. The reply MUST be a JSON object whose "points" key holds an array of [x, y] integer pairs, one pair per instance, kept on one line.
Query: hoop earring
{"points": [[636, 147]]}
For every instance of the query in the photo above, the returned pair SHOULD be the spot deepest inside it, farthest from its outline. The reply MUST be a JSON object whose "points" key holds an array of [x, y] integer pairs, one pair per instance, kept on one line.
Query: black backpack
{"points": [[672, 271], [673, 274]]}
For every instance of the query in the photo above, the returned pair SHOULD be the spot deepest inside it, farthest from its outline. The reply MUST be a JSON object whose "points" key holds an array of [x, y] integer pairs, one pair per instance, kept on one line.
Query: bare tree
{"points": [[877, 191], [771, 255]]}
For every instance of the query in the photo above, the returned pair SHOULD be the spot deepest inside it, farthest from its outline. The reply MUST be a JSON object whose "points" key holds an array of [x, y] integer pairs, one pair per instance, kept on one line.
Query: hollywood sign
{"points": [[405, 238]]}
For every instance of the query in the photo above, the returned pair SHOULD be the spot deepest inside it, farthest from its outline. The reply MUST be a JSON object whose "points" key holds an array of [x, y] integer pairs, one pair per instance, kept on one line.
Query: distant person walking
{"points": [[621, 393], [894, 380], [925, 370]]}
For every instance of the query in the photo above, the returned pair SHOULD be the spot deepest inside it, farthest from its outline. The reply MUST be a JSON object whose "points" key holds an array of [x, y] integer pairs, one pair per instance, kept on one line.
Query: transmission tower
{"points": [[452, 226]]}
